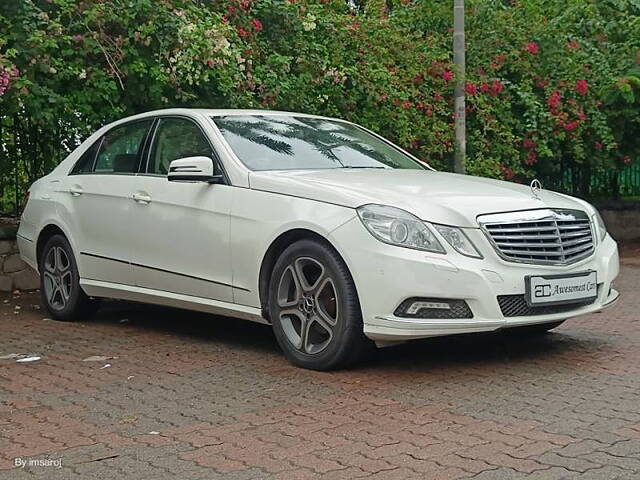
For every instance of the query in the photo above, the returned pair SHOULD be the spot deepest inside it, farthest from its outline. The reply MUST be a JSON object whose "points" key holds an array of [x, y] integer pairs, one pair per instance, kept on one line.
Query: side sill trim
{"points": [[99, 288]]}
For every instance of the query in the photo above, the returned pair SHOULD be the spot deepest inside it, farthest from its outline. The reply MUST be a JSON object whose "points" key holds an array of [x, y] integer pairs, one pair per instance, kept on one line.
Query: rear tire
{"points": [[314, 308], [60, 282], [539, 329]]}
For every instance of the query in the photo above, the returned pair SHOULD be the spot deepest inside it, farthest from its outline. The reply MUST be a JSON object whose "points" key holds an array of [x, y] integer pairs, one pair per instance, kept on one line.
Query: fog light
{"points": [[420, 304], [433, 308]]}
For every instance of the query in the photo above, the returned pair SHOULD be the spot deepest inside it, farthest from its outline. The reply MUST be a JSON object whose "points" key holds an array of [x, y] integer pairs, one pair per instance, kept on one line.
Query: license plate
{"points": [[558, 289]]}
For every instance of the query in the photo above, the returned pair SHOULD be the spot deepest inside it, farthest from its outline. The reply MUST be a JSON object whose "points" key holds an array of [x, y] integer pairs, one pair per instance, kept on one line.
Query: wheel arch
{"points": [[48, 231], [279, 245]]}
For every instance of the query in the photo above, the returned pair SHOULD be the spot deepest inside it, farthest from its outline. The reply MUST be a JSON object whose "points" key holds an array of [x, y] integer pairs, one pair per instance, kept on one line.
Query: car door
{"points": [[181, 237], [96, 202]]}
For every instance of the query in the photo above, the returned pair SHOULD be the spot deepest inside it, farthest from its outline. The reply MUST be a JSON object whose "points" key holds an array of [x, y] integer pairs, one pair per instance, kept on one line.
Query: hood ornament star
{"points": [[536, 186]]}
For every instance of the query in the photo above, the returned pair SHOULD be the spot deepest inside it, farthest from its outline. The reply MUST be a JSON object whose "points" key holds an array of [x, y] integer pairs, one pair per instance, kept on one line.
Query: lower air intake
{"points": [[516, 306]]}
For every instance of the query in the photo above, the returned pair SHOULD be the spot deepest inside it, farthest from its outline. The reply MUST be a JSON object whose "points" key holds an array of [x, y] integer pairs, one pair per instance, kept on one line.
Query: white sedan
{"points": [[333, 235]]}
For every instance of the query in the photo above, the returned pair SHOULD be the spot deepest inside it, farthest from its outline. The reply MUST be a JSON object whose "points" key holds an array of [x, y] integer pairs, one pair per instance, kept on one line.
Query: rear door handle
{"points": [[142, 198], [76, 191]]}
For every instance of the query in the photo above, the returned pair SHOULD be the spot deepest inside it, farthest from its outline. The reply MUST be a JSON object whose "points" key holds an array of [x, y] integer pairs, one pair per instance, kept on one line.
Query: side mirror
{"points": [[194, 169]]}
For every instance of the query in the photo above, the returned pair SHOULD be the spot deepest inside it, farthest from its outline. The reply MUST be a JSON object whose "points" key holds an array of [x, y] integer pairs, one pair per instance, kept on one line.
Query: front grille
{"points": [[545, 236], [516, 306], [458, 309]]}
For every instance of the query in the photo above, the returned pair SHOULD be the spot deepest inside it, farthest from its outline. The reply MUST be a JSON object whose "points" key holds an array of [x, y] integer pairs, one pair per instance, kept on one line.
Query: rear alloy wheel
{"points": [[57, 278], [60, 282], [314, 308]]}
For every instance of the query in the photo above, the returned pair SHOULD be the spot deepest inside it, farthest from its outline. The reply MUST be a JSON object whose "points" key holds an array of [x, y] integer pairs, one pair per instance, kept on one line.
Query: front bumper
{"points": [[386, 275]]}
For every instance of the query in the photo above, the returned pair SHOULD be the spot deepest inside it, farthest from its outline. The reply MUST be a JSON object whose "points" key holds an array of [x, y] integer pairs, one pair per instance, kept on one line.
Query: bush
{"points": [[553, 86]]}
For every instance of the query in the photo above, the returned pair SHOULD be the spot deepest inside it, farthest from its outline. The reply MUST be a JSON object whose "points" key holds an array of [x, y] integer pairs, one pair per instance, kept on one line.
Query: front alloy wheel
{"points": [[308, 305], [314, 308]]}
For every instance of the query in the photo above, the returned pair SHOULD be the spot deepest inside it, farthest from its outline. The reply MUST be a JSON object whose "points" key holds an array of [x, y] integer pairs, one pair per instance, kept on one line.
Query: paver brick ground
{"points": [[192, 396]]}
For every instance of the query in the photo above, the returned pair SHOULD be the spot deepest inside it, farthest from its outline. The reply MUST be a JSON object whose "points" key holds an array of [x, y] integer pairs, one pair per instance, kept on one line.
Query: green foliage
{"points": [[553, 86]]}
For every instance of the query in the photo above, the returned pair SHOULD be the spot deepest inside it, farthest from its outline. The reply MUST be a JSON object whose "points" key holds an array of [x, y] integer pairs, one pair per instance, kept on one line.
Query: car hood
{"points": [[437, 197]]}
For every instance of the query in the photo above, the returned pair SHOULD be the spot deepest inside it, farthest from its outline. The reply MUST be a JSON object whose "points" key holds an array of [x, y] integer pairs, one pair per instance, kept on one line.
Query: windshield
{"points": [[279, 142]]}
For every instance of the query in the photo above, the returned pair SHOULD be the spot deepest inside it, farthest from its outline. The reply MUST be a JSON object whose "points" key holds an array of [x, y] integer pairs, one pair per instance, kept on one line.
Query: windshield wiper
{"points": [[360, 166]]}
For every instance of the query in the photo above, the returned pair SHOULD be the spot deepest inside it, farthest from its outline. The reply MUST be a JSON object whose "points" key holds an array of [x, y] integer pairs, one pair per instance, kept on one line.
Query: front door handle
{"points": [[143, 198], [76, 190]]}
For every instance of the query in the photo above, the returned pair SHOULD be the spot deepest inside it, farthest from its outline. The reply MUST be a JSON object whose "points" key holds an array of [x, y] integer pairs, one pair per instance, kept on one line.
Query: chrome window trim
{"points": [[537, 215], [217, 160]]}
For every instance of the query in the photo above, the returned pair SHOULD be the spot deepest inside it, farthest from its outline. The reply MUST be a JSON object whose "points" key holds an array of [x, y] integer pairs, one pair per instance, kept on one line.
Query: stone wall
{"points": [[622, 224], [14, 273]]}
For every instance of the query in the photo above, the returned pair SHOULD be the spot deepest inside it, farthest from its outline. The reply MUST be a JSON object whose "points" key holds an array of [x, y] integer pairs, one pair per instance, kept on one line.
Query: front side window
{"points": [[176, 138], [121, 148], [281, 142]]}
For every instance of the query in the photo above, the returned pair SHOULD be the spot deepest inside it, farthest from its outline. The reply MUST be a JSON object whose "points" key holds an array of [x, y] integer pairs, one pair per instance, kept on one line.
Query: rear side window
{"points": [[85, 163], [121, 148]]}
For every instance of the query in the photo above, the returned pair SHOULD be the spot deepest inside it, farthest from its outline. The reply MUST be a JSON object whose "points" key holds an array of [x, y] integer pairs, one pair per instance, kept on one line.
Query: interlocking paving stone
{"points": [[192, 396]]}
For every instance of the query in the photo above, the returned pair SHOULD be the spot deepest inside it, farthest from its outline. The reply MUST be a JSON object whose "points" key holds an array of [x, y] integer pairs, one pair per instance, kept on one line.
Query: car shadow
{"points": [[188, 325], [479, 349]]}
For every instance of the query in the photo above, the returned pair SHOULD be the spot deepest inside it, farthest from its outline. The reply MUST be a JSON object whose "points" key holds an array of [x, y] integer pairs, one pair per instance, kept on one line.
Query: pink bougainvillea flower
{"points": [[485, 88], [243, 33], [447, 76], [582, 116], [471, 89], [573, 45], [528, 143], [598, 146], [626, 160], [507, 172], [582, 87], [532, 157], [257, 25], [533, 48], [496, 87], [555, 100], [571, 126], [406, 104]]}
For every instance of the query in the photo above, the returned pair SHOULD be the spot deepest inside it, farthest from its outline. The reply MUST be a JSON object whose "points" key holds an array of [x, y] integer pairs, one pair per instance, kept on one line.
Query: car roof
{"points": [[216, 112]]}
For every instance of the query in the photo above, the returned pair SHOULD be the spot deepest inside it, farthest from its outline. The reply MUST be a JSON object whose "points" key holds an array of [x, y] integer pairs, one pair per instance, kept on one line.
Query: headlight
{"points": [[458, 240], [602, 229], [397, 227]]}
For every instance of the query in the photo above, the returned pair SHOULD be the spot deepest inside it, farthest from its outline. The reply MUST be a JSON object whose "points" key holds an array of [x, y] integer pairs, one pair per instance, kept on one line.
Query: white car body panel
{"points": [[201, 246], [195, 248], [259, 218], [87, 215], [437, 197]]}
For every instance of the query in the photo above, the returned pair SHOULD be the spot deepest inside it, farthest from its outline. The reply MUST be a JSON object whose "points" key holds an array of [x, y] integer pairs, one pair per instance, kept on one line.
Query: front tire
{"points": [[314, 308], [60, 282]]}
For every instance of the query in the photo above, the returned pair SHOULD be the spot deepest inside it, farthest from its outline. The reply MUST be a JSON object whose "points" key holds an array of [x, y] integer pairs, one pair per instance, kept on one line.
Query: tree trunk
{"points": [[459, 104]]}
